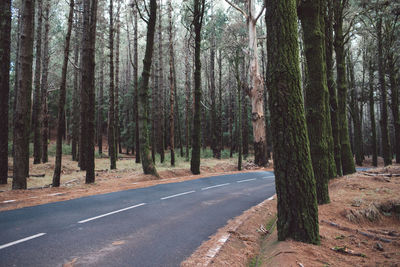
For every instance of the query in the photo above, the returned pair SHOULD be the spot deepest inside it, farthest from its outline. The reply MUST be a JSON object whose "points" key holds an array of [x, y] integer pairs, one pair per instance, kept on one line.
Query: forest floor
{"points": [[128, 175], [360, 227]]}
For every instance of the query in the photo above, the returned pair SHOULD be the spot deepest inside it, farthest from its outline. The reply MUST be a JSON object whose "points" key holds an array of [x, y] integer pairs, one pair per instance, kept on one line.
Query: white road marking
{"points": [[56, 194], [267, 177], [21, 240], [271, 198], [247, 180], [214, 186], [177, 195], [9, 201], [111, 213]]}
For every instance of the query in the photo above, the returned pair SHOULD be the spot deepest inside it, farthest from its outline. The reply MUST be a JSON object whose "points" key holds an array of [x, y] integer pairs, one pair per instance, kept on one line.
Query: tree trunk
{"points": [[136, 84], [111, 107], [297, 216], [75, 103], [117, 125], [44, 85], [171, 86], [345, 148], [160, 113], [214, 125], [147, 164], [395, 105], [198, 13], [316, 91], [220, 124], [239, 115], [372, 114], [36, 95], [5, 37], [187, 90], [61, 101], [100, 102], [23, 105]]}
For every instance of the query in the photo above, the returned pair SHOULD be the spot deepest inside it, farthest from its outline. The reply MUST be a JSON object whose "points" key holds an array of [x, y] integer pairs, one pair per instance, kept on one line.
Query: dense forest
{"points": [[309, 86]]}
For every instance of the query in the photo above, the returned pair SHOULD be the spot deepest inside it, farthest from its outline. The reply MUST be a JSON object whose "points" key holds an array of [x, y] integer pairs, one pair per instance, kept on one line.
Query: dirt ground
{"points": [[128, 175], [360, 227]]}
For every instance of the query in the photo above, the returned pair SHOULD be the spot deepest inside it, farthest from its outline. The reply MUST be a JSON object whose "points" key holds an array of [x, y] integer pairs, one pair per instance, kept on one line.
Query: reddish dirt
{"points": [[357, 206]]}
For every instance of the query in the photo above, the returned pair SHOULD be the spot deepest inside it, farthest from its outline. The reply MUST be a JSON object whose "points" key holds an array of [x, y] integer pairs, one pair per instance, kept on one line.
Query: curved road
{"points": [[154, 226]]}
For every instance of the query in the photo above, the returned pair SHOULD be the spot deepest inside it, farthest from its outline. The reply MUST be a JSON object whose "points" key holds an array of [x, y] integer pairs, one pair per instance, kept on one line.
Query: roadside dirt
{"points": [[129, 175], [362, 221]]}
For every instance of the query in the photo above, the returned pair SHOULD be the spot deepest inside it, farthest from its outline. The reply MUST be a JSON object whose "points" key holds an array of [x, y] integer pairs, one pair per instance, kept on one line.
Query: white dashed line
{"points": [[214, 186], [9, 201], [21, 240], [110, 213], [247, 180], [267, 177], [177, 195]]}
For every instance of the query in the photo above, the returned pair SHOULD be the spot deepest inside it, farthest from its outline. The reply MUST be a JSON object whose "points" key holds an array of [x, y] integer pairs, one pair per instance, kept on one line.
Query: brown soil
{"points": [[128, 175], [361, 219]]}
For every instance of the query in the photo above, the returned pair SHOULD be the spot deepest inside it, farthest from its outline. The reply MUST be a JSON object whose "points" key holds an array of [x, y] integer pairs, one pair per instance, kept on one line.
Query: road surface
{"points": [[154, 226]]}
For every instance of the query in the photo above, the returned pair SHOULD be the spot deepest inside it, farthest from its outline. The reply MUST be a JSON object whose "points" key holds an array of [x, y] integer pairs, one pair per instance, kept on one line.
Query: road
{"points": [[154, 226]]}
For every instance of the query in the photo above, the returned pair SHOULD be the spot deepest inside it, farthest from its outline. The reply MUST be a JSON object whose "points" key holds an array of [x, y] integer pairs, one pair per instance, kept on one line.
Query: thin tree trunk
{"points": [[395, 105], [239, 115], [297, 216], [187, 90], [372, 114], [118, 147], [171, 85], [23, 105], [147, 164], [61, 101], [5, 43], [136, 84], [100, 102], [348, 166], [44, 85], [36, 95], [220, 124], [111, 107]]}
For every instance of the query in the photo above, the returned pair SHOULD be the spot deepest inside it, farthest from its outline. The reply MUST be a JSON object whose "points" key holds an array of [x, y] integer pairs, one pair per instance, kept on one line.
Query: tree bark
{"points": [[61, 101], [187, 90], [23, 105], [44, 85], [136, 84], [117, 125], [147, 164], [5, 43], [316, 91], [372, 114], [395, 104], [198, 13], [171, 86], [239, 115], [100, 102], [348, 166], [111, 107], [75, 101], [36, 95], [297, 216]]}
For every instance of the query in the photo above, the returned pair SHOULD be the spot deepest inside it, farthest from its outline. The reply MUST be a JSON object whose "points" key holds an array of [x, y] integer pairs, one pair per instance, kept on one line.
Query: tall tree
{"points": [[75, 93], [393, 70], [171, 85], [61, 100], [333, 103], [23, 105], [239, 116], [316, 93], [100, 101], [297, 216], [5, 43], [44, 85], [256, 89], [147, 163], [160, 113], [111, 95], [198, 14], [118, 147], [136, 83], [348, 166], [386, 151], [37, 149], [87, 88], [372, 113]]}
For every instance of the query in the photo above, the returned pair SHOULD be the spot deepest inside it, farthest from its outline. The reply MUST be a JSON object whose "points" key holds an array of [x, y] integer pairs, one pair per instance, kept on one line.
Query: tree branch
{"points": [[237, 8], [259, 15]]}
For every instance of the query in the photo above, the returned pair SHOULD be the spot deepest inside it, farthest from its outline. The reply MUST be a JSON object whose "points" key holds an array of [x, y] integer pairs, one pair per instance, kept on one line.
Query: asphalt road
{"points": [[154, 226]]}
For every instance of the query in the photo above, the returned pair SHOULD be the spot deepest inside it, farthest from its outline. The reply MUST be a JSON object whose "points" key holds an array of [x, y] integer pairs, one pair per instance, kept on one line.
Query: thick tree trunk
{"points": [[23, 105], [198, 14], [316, 91], [171, 86], [345, 148], [297, 216], [111, 107], [147, 164], [5, 43], [61, 101], [36, 95], [395, 105]]}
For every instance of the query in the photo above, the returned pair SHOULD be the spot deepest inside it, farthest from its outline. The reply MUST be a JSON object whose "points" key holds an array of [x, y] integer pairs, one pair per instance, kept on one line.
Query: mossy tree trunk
{"points": [[147, 163], [297, 216], [5, 43], [316, 92], [61, 101], [198, 13], [347, 159]]}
